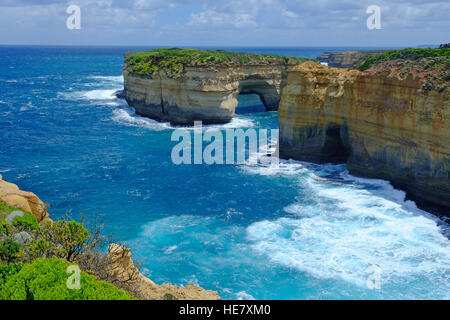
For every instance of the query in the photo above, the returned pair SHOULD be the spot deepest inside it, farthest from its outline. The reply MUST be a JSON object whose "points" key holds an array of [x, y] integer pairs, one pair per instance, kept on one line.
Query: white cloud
{"points": [[219, 19], [235, 13], [290, 14], [188, 20]]}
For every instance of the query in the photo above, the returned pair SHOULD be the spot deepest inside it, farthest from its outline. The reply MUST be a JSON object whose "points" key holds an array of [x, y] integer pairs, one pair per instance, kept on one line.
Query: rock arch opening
{"points": [[336, 147], [249, 103], [268, 93]]}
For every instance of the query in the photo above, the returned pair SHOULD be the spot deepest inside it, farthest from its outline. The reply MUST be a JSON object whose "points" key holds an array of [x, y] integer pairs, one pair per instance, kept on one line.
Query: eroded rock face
{"points": [[12, 196], [199, 93], [384, 123], [123, 269]]}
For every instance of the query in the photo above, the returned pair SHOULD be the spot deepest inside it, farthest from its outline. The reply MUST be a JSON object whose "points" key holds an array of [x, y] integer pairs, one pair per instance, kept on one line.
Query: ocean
{"points": [[299, 231]]}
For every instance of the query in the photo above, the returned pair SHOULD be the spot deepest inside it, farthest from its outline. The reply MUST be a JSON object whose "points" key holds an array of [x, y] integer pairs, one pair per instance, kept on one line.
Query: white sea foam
{"points": [[107, 86], [354, 225], [170, 249], [125, 116], [98, 94], [244, 296], [284, 167], [27, 107], [114, 79], [92, 95], [235, 123]]}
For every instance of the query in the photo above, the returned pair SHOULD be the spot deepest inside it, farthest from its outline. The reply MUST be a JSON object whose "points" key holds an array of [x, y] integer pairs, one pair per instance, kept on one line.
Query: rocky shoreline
{"points": [[120, 268]]}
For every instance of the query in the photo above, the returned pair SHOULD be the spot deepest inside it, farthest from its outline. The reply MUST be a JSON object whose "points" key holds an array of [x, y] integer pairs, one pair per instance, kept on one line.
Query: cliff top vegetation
{"points": [[34, 260], [174, 60], [406, 54]]}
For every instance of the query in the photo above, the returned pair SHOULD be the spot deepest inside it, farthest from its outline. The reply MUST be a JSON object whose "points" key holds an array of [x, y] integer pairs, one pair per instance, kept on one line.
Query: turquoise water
{"points": [[300, 231]]}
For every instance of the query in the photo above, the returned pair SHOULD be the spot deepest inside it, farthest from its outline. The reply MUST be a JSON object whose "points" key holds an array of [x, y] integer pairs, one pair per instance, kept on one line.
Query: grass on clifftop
{"points": [[34, 260], [175, 59], [405, 54]]}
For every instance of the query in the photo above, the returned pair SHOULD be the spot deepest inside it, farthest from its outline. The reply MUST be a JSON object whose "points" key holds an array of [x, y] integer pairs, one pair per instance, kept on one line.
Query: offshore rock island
{"points": [[388, 120], [184, 85]]}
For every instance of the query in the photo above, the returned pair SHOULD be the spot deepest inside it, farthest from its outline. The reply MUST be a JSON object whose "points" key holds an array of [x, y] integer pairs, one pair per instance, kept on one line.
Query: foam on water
{"points": [[126, 116], [235, 123], [111, 79], [353, 226], [105, 88], [94, 95], [244, 296], [344, 238]]}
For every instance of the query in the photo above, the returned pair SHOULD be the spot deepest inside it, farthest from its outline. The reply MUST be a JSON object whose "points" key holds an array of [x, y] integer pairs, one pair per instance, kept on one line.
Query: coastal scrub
{"points": [[46, 279], [405, 54], [174, 60]]}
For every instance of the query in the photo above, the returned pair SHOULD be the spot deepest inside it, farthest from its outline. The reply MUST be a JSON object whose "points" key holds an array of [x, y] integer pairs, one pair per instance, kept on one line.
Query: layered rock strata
{"points": [[389, 122], [206, 94], [185, 85]]}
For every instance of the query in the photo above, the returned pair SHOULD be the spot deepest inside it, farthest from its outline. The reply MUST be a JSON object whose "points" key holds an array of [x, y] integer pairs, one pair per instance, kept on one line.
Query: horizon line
{"points": [[205, 46]]}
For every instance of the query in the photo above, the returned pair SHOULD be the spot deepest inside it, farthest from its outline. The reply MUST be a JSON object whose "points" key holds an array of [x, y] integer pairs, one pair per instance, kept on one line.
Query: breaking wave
{"points": [[344, 227]]}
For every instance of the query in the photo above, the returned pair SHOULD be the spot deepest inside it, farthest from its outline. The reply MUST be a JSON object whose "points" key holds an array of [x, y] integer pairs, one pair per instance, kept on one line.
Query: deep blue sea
{"points": [[300, 231]]}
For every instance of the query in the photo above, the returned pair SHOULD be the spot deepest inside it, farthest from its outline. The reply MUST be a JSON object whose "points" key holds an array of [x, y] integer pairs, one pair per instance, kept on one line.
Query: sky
{"points": [[293, 23]]}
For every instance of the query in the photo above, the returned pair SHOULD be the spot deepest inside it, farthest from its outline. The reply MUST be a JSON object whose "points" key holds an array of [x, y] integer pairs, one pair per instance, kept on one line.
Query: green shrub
{"points": [[8, 270], [27, 222], [46, 279], [62, 239], [446, 77], [9, 250], [40, 248], [5, 228]]}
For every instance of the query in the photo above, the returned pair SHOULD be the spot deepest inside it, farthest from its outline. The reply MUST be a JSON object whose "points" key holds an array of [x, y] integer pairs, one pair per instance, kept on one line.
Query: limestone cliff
{"points": [[390, 122], [184, 85], [12, 196]]}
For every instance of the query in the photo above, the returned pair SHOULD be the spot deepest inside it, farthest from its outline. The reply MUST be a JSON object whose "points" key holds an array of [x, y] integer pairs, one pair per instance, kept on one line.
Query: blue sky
{"points": [[225, 23]]}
